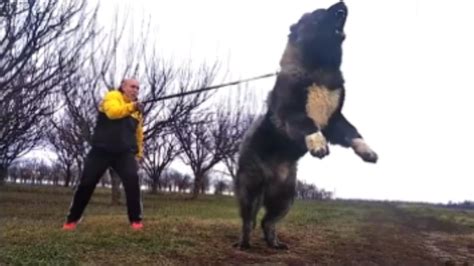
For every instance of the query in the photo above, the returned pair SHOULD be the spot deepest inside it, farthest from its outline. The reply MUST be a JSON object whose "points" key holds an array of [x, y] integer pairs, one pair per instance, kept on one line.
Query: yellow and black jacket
{"points": [[119, 125]]}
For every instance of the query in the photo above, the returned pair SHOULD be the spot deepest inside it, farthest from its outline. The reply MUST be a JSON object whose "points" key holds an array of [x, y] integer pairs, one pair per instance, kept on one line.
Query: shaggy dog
{"points": [[304, 114]]}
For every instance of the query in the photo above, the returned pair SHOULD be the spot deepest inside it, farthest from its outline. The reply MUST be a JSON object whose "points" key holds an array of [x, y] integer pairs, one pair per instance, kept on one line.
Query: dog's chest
{"points": [[321, 103]]}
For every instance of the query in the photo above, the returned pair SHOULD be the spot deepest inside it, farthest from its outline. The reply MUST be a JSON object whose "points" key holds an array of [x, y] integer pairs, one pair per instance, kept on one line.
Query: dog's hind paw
{"points": [[242, 245], [278, 245]]}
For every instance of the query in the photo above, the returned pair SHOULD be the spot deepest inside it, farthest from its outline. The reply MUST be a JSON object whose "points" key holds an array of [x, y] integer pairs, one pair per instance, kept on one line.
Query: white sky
{"points": [[407, 65]]}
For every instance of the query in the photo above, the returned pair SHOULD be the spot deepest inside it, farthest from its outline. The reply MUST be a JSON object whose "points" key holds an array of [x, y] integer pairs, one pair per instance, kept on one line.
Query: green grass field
{"points": [[201, 232]]}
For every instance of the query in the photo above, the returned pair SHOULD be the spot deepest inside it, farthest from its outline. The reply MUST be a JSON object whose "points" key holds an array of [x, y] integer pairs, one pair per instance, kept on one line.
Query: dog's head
{"points": [[318, 36]]}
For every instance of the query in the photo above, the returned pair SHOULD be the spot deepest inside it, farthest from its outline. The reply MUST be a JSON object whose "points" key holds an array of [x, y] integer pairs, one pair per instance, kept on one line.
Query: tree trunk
{"points": [[3, 174], [197, 185], [154, 186], [115, 181], [203, 188], [67, 182], [103, 182]]}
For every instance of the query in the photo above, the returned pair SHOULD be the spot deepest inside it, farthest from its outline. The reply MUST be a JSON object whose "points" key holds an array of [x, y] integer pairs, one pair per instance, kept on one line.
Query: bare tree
{"points": [[205, 142], [56, 174], [182, 182], [14, 172], [67, 144], [238, 110], [31, 170], [33, 54], [213, 135], [221, 186], [159, 153]]}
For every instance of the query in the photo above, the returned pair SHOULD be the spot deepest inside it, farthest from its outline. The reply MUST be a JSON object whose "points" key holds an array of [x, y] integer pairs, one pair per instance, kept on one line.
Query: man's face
{"points": [[130, 88]]}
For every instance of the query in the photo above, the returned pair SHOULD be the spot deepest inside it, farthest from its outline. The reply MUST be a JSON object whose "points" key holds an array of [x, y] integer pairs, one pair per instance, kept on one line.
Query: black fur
{"points": [[277, 140]]}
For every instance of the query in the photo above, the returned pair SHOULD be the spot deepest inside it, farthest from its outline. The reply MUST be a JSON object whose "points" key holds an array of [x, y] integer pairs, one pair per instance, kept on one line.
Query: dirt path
{"points": [[389, 237], [448, 242]]}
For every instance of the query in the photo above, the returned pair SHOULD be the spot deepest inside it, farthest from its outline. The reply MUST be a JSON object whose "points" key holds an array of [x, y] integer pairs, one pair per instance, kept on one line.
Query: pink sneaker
{"points": [[71, 226], [137, 226]]}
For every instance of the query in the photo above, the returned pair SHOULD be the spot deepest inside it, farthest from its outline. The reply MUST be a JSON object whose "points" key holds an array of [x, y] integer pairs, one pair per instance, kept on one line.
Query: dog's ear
{"points": [[293, 32], [296, 28]]}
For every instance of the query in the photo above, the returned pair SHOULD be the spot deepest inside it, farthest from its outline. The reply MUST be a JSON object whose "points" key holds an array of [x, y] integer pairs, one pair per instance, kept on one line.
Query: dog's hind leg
{"points": [[249, 189], [256, 208], [278, 199]]}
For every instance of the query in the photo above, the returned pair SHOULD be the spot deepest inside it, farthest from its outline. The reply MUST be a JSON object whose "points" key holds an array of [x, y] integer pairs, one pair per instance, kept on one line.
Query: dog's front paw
{"points": [[364, 151], [317, 145]]}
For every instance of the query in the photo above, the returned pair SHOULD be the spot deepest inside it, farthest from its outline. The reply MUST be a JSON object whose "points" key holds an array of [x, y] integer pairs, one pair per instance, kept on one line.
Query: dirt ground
{"points": [[391, 237], [202, 232]]}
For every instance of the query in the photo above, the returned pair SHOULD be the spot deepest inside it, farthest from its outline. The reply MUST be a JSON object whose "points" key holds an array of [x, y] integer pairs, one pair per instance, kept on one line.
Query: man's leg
{"points": [[126, 167], [95, 165]]}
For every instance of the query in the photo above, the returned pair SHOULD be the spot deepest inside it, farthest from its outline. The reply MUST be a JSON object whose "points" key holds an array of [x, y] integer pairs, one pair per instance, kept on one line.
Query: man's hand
{"points": [[138, 106]]}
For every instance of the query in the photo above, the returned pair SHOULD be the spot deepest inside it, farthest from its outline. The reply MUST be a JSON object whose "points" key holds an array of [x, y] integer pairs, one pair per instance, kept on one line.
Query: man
{"points": [[118, 143]]}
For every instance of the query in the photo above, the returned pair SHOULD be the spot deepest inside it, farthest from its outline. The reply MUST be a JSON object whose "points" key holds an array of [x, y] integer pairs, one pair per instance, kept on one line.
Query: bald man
{"points": [[117, 142]]}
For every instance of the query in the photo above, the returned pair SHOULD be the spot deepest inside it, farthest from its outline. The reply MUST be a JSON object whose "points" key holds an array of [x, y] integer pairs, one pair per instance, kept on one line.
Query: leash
{"points": [[208, 88]]}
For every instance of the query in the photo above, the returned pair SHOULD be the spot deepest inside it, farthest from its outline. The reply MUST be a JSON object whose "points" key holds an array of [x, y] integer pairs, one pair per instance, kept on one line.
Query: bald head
{"points": [[130, 88]]}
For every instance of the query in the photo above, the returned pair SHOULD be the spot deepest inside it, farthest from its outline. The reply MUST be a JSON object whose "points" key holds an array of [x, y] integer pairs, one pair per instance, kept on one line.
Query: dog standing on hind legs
{"points": [[304, 114]]}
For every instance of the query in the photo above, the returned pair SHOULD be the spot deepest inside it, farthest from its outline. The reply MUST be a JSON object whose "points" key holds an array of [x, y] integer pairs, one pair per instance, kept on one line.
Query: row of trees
{"points": [[36, 55], [39, 172], [465, 205], [56, 63], [307, 191], [34, 171]]}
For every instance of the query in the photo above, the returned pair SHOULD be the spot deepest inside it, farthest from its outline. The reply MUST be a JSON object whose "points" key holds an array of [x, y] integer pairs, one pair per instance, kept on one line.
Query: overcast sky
{"points": [[408, 66]]}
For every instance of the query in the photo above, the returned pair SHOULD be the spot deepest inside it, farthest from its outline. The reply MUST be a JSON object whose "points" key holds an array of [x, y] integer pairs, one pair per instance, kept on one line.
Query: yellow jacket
{"points": [[118, 120]]}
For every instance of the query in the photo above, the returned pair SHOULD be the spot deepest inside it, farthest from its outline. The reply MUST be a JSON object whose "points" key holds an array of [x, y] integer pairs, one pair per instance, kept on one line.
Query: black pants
{"points": [[96, 164]]}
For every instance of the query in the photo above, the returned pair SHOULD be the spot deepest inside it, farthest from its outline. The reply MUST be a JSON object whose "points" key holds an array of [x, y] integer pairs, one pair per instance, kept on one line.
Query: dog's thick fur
{"points": [[304, 114]]}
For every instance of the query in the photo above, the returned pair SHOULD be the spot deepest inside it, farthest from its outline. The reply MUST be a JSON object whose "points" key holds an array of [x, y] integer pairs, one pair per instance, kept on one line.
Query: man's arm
{"points": [[115, 108]]}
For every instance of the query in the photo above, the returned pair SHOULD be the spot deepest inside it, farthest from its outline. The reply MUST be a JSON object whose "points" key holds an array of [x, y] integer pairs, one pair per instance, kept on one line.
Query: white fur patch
{"points": [[316, 141], [321, 104], [360, 146]]}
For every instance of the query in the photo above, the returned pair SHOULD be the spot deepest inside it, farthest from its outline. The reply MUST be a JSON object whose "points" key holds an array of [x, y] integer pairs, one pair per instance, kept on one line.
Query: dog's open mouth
{"points": [[340, 13]]}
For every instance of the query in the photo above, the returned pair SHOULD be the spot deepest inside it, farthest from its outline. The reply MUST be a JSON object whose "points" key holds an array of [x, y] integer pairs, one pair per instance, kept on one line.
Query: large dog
{"points": [[304, 114]]}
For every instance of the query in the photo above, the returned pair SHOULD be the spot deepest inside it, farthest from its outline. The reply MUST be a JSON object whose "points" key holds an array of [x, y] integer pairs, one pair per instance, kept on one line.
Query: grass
{"points": [[181, 231]]}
